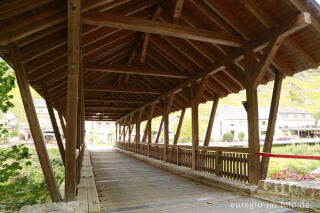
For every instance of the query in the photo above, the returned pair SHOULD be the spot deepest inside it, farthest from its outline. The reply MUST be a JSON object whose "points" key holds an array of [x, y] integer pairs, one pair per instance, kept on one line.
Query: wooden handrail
{"points": [[203, 148]]}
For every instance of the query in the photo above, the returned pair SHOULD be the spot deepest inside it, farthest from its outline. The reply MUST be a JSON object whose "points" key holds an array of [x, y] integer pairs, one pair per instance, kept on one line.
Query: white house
{"points": [[234, 120]]}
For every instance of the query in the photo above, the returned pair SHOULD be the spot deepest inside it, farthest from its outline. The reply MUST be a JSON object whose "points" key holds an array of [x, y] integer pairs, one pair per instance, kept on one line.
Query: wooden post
{"points": [[159, 130], [34, 124], [63, 126], [253, 120], [271, 124], [124, 133], [138, 122], [116, 132], [211, 121], [196, 92], [166, 112], [218, 163], [176, 137], [195, 132], [145, 133], [74, 68], [151, 109], [54, 124]]}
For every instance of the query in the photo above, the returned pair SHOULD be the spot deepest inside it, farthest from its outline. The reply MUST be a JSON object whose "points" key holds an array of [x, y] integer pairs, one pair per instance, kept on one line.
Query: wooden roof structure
{"points": [[137, 52]]}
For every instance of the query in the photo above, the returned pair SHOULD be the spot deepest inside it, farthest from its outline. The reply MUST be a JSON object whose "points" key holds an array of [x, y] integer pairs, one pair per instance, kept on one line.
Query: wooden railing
{"points": [[226, 162]]}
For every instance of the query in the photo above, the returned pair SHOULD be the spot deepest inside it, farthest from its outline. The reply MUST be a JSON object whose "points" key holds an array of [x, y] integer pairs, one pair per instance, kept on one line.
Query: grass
{"points": [[300, 165]]}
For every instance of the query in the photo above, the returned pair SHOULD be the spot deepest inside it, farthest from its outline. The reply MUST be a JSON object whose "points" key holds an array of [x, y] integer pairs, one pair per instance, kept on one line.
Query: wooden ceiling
{"points": [[136, 52]]}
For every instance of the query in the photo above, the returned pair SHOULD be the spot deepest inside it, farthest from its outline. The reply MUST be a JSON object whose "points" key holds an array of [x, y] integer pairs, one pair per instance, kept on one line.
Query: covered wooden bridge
{"points": [[129, 61]]}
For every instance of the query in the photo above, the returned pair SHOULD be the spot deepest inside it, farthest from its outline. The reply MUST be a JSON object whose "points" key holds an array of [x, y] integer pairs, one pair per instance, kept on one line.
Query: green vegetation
{"points": [[300, 165], [6, 85], [241, 135], [227, 137], [21, 179]]}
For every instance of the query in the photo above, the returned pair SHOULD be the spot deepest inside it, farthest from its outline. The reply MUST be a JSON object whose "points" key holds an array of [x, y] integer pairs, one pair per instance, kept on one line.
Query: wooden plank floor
{"points": [[126, 184]]}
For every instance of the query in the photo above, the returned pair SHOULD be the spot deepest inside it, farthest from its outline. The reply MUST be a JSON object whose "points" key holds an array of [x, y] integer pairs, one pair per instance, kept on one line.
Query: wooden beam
{"points": [[166, 111], [201, 88], [195, 124], [269, 54], [34, 124], [138, 122], [82, 110], [293, 25], [74, 69], [116, 132], [149, 124], [145, 133], [228, 17], [253, 121], [177, 9], [302, 8], [63, 126], [260, 14], [123, 89], [54, 123], [114, 99], [124, 133], [35, 25], [136, 70], [176, 137], [159, 131], [271, 123], [136, 24], [17, 7], [291, 44], [211, 121], [146, 37], [99, 108]]}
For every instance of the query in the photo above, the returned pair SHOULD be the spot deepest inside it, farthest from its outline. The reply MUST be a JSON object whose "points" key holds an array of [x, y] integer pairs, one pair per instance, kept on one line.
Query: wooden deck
{"points": [[125, 184]]}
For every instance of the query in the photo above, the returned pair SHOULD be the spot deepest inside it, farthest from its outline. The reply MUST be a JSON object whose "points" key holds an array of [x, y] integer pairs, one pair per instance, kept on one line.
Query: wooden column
{"points": [[151, 109], [74, 68], [124, 133], [34, 124], [138, 122], [176, 137], [195, 132], [253, 120], [130, 129], [63, 126], [116, 132], [120, 134], [271, 124], [145, 133], [211, 121], [166, 111], [196, 92], [82, 110], [159, 130], [54, 124]]}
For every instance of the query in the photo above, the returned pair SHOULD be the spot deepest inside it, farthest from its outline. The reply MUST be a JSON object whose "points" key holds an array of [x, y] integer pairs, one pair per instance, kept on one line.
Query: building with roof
{"points": [[291, 122]]}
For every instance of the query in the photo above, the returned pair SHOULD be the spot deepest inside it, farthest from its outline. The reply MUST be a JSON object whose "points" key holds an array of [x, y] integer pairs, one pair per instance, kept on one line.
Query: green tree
{"points": [[316, 116], [7, 83], [227, 137], [241, 136]]}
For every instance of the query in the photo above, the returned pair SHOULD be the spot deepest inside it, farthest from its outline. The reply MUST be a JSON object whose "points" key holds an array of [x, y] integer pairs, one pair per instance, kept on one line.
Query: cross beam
{"points": [[148, 26], [136, 70], [122, 89]]}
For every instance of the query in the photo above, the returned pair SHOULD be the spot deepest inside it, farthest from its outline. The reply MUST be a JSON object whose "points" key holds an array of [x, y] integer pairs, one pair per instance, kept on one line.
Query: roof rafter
{"points": [[142, 25], [297, 23]]}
